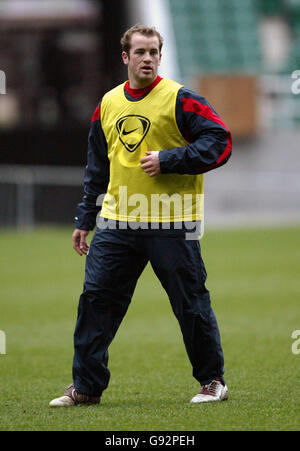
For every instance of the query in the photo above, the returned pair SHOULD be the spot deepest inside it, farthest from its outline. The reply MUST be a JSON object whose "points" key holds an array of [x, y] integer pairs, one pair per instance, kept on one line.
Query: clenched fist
{"points": [[150, 163]]}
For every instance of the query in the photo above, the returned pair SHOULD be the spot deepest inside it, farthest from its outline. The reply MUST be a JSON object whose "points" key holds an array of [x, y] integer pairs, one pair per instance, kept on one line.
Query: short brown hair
{"points": [[142, 29]]}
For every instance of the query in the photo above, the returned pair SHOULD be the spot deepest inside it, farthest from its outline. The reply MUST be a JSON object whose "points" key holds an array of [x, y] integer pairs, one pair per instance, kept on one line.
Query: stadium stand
{"points": [[216, 36]]}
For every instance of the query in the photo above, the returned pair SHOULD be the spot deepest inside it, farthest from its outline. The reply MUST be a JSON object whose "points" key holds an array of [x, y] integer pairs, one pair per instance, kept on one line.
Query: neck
{"points": [[138, 92], [134, 85], [140, 84]]}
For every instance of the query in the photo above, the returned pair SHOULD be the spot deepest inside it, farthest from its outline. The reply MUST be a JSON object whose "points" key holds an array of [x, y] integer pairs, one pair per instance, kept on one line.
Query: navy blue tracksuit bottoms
{"points": [[115, 261]]}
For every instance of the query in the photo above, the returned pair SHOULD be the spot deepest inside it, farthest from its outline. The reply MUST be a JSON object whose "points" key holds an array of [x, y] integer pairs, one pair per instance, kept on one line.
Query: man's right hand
{"points": [[79, 241]]}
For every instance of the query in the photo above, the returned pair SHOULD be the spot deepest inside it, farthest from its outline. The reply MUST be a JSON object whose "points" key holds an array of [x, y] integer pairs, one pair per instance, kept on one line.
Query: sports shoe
{"points": [[72, 398], [214, 391]]}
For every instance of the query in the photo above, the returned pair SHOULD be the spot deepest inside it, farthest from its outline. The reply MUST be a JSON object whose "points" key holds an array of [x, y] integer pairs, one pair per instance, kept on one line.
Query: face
{"points": [[143, 60]]}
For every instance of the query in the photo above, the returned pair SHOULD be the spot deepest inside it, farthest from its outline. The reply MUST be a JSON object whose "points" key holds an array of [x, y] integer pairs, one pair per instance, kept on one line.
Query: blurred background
{"points": [[58, 57]]}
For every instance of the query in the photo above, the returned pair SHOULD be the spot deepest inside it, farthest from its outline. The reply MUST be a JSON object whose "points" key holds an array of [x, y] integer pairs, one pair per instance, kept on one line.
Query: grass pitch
{"points": [[253, 277]]}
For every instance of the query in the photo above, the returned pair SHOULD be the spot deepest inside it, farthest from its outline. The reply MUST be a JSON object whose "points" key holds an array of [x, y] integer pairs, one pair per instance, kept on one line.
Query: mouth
{"points": [[146, 69]]}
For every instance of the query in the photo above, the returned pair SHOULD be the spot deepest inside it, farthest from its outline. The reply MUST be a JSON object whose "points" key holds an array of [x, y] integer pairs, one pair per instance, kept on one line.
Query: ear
{"points": [[125, 58], [160, 55]]}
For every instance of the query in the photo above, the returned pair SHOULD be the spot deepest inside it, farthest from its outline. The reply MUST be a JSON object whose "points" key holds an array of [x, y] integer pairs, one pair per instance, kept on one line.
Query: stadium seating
{"points": [[216, 36]]}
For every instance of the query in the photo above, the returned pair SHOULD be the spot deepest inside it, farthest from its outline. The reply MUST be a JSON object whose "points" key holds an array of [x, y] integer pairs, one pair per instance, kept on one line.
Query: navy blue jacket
{"points": [[209, 147]]}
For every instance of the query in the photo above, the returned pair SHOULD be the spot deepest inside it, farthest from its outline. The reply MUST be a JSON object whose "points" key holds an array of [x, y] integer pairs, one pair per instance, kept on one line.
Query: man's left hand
{"points": [[150, 163]]}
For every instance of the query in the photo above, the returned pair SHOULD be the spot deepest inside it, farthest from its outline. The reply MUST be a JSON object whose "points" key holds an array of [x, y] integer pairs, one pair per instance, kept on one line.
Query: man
{"points": [[149, 137]]}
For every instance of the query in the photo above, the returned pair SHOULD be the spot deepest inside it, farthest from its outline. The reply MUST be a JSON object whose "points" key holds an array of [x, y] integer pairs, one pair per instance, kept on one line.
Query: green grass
{"points": [[253, 277]]}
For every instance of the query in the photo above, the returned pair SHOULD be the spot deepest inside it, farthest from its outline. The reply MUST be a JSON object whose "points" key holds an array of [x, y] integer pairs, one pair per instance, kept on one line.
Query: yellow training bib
{"points": [[131, 128]]}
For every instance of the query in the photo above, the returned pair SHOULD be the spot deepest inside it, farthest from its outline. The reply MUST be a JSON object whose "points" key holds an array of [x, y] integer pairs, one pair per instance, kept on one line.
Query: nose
{"points": [[147, 57]]}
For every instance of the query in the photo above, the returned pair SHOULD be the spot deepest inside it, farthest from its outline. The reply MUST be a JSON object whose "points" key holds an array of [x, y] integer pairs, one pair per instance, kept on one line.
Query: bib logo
{"points": [[132, 130]]}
